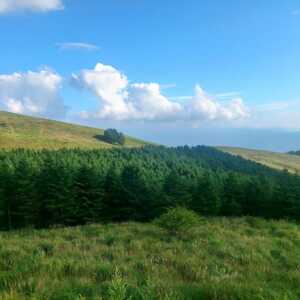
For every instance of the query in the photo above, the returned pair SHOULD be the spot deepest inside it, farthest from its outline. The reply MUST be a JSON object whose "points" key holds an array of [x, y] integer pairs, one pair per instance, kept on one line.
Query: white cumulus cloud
{"points": [[8, 6], [205, 107], [32, 93], [109, 85], [121, 100], [150, 104]]}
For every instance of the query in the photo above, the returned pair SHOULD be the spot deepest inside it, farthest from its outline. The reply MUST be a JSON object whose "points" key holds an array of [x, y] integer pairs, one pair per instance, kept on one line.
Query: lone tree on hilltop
{"points": [[112, 136]]}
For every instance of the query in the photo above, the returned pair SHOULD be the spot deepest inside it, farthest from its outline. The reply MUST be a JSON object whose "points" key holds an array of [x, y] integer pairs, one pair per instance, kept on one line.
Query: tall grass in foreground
{"points": [[244, 258]]}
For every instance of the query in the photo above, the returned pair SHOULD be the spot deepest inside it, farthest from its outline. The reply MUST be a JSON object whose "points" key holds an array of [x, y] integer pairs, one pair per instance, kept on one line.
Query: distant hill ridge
{"points": [[294, 152], [276, 160], [19, 131]]}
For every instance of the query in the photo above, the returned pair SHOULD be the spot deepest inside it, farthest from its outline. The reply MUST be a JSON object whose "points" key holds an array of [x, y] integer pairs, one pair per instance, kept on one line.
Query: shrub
{"points": [[178, 220], [112, 136]]}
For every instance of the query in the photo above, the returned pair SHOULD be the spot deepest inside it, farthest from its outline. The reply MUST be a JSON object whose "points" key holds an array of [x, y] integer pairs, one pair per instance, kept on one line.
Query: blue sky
{"points": [[166, 70]]}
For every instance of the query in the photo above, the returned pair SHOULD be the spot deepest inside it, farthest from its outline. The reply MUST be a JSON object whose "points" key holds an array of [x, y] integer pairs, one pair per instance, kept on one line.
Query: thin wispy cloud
{"points": [[278, 106], [78, 46], [229, 95], [221, 96], [168, 86], [12, 6]]}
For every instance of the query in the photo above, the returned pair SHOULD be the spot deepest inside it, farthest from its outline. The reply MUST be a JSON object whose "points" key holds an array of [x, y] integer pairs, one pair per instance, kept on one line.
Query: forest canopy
{"points": [[70, 187]]}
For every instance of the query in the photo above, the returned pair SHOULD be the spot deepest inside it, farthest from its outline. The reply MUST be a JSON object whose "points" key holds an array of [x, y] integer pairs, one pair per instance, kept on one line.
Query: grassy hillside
{"points": [[18, 131], [257, 260], [275, 160]]}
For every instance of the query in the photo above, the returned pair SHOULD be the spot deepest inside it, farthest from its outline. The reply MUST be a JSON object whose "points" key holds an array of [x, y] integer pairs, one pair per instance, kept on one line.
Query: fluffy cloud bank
{"points": [[32, 93], [121, 100], [38, 93], [7, 6]]}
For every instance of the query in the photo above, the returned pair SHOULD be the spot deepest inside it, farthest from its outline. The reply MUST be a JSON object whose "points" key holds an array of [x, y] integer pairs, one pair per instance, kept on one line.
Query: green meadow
{"points": [[221, 258]]}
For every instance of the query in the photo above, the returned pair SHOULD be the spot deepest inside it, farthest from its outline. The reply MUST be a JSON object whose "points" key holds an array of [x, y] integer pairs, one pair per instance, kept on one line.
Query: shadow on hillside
{"points": [[100, 137], [4, 125]]}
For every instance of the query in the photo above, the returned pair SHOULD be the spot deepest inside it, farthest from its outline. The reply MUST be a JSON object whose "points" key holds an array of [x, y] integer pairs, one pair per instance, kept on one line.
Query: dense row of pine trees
{"points": [[70, 187], [294, 152]]}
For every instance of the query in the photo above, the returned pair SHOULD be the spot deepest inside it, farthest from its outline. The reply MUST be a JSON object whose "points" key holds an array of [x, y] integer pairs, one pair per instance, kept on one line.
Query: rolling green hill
{"points": [[18, 131], [275, 160]]}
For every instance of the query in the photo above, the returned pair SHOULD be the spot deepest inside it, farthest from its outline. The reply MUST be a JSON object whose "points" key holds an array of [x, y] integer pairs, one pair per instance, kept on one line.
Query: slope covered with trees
{"points": [[71, 187]]}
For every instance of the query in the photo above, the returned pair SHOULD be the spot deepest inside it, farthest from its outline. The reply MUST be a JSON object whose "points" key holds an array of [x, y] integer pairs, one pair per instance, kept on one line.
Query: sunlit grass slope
{"points": [[275, 160], [18, 131], [222, 259]]}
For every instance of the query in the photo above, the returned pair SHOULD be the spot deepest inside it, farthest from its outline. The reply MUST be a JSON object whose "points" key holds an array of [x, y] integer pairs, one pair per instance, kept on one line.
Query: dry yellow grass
{"points": [[280, 161], [18, 131]]}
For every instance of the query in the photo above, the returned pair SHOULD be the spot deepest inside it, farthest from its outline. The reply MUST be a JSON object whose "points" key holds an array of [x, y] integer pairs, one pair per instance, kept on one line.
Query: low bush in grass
{"points": [[178, 221]]}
